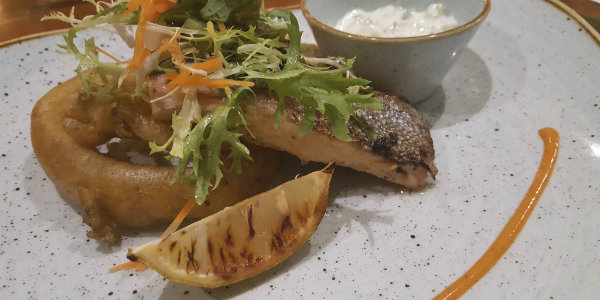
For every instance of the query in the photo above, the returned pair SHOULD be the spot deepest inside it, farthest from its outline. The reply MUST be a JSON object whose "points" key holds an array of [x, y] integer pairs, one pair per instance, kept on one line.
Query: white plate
{"points": [[529, 66]]}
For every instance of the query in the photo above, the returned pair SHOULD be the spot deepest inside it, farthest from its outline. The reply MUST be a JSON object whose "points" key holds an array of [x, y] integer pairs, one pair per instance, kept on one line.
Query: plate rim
{"points": [[581, 21], [38, 37]]}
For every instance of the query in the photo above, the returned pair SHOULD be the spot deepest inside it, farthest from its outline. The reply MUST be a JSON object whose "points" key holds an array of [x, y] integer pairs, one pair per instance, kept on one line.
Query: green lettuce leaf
{"points": [[326, 91], [230, 12], [103, 79], [203, 145]]}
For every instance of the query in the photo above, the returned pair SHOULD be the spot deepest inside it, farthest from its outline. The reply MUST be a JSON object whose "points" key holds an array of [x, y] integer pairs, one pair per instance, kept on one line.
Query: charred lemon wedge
{"points": [[243, 240]]}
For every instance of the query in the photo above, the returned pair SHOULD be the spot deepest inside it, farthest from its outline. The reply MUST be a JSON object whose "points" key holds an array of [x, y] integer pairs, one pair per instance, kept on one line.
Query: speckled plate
{"points": [[530, 66]]}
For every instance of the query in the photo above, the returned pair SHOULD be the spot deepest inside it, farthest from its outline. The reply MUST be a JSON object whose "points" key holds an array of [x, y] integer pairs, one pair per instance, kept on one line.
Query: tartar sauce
{"points": [[396, 21]]}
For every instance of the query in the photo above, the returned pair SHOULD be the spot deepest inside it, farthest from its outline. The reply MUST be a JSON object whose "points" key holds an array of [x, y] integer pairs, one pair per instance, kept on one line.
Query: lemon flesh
{"points": [[243, 240]]}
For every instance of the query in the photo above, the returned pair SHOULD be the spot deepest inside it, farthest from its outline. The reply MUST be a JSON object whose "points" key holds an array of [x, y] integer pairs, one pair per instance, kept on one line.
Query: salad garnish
{"points": [[233, 45]]}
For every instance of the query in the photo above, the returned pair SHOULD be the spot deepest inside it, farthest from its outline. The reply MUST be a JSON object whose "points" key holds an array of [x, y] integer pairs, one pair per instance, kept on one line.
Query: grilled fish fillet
{"points": [[402, 153]]}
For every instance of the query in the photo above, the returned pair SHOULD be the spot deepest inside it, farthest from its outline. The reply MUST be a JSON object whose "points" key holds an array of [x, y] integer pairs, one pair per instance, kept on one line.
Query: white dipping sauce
{"points": [[396, 21]]}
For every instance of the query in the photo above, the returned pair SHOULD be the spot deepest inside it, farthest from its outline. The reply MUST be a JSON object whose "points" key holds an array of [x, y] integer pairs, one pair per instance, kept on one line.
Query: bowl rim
{"points": [[472, 23]]}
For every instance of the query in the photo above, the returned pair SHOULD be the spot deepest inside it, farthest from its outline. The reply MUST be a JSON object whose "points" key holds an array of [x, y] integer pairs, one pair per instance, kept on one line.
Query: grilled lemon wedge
{"points": [[243, 240]]}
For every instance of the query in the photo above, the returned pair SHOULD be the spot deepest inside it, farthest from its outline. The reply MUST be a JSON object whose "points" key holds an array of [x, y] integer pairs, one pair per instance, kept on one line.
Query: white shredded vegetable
{"points": [[125, 33], [169, 94], [249, 48], [153, 27], [315, 61], [224, 73], [194, 71]]}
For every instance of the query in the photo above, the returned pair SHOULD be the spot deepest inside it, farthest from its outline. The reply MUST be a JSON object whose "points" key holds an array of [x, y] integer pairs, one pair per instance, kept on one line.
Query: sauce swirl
{"points": [[515, 224]]}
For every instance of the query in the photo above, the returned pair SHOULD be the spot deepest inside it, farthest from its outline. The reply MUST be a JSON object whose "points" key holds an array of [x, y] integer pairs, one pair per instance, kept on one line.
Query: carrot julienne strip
{"points": [[187, 208], [199, 80], [176, 79], [138, 48], [161, 7], [186, 79], [221, 26], [150, 11], [172, 45], [108, 54], [195, 80], [170, 75], [132, 6], [138, 266], [137, 60], [212, 64]]}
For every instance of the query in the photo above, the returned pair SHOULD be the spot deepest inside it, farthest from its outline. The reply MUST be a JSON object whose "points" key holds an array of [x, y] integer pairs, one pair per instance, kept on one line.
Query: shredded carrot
{"points": [[185, 78], [176, 79], [108, 54], [195, 80], [221, 26], [161, 7], [137, 60], [151, 10], [179, 218], [212, 64], [132, 5], [172, 45], [138, 49], [171, 76], [138, 266]]}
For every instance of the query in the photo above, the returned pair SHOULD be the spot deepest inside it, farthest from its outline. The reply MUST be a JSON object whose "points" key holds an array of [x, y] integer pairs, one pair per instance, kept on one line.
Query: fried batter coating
{"points": [[66, 128]]}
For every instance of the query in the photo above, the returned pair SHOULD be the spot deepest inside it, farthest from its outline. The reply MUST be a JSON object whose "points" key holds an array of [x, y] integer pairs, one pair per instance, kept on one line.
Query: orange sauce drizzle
{"points": [[515, 224]]}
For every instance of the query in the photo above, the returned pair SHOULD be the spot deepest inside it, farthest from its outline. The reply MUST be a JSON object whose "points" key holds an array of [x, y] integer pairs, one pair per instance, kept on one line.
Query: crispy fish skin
{"points": [[402, 153]]}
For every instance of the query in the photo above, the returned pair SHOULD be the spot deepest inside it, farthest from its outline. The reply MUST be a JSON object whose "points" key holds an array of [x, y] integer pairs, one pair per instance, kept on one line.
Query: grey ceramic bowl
{"points": [[411, 66]]}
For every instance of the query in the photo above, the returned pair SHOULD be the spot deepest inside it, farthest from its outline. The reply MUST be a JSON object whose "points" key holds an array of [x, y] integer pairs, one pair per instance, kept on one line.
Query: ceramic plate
{"points": [[530, 66]]}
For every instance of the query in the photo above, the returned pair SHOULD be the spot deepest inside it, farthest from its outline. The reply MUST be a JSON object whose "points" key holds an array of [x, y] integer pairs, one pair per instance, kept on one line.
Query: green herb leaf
{"points": [[180, 13], [103, 79], [203, 145], [325, 91], [232, 12]]}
